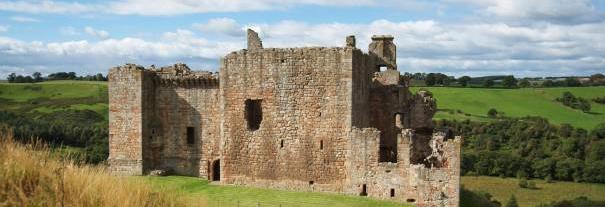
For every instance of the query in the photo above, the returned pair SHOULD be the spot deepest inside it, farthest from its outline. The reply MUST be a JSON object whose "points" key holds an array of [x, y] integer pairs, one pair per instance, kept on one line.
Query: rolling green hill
{"points": [[52, 96], [473, 104]]}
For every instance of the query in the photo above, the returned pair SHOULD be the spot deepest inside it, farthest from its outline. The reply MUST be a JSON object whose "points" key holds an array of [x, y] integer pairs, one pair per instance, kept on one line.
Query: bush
{"points": [[569, 100], [492, 113], [523, 183], [600, 100]]}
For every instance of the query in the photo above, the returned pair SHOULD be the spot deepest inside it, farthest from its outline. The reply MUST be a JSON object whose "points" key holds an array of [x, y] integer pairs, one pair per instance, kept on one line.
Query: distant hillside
{"points": [[61, 113], [502, 188], [474, 103]]}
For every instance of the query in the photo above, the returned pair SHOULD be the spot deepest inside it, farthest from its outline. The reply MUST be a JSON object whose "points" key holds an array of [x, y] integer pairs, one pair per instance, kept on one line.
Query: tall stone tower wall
{"points": [[126, 119], [305, 97]]}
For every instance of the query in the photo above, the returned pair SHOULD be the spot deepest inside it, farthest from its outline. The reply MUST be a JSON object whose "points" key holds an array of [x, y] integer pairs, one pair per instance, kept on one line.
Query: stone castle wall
{"points": [[310, 119], [305, 95], [126, 120]]}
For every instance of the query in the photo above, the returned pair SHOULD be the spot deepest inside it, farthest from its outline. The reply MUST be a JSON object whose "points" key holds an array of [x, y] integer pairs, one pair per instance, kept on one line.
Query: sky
{"points": [[525, 38]]}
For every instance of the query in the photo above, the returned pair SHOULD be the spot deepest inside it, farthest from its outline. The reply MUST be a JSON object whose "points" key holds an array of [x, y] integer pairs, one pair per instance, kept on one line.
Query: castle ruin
{"points": [[309, 119]]}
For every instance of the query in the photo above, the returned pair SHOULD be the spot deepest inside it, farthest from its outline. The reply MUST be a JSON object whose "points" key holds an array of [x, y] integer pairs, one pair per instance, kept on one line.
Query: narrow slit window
{"points": [[321, 144], [281, 145], [190, 135], [392, 192]]}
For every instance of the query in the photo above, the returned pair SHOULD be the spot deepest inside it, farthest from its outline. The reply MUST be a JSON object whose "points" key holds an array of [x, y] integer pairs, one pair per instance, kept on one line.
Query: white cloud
{"points": [[177, 7], [23, 19], [101, 34], [221, 26], [3, 28], [45, 6], [465, 48], [93, 57], [560, 11], [180, 7], [423, 46]]}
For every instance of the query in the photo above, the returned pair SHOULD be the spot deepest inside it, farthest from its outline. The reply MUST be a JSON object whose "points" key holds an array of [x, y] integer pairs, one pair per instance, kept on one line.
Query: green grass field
{"points": [[51, 96], [473, 104], [502, 188], [201, 191]]}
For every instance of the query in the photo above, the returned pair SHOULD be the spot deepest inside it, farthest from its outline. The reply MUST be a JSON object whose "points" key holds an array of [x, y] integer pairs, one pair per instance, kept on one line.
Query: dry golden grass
{"points": [[30, 175]]}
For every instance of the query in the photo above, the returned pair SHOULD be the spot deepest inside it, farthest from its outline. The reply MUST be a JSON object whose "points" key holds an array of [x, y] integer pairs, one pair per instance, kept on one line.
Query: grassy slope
{"points": [[51, 96], [217, 195], [517, 103], [502, 188]]}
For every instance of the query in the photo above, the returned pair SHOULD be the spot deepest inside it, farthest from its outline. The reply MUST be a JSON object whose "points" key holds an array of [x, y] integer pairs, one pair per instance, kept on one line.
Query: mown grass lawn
{"points": [[204, 193], [473, 104], [503, 188]]}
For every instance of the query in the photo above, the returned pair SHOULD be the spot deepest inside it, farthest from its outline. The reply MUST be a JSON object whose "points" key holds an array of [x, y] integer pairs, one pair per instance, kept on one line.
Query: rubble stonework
{"points": [[308, 119]]}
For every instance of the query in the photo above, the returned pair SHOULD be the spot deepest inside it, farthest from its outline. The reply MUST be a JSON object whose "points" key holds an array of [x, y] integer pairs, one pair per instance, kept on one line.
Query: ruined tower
{"points": [[311, 119]]}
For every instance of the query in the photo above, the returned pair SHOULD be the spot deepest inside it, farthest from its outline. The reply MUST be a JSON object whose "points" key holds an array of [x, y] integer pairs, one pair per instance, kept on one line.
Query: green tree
{"points": [[430, 79], [572, 82], [524, 83], [463, 81], [37, 76], [509, 81], [512, 202], [583, 105], [488, 83], [548, 83], [11, 78]]}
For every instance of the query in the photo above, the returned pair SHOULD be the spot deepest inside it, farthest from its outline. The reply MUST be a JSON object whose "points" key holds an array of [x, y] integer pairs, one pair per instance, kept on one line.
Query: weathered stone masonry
{"points": [[310, 119]]}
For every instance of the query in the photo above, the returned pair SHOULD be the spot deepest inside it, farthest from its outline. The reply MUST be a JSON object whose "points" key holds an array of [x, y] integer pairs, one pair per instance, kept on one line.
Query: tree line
{"points": [[37, 77], [531, 147], [76, 128], [507, 81]]}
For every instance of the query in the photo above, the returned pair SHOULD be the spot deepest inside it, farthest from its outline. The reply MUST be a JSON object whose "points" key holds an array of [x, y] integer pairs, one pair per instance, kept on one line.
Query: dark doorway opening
{"points": [[363, 190], [392, 192], [216, 170]]}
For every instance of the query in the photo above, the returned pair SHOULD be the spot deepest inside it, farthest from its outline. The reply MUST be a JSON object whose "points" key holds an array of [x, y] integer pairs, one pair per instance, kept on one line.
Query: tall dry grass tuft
{"points": [[31, 176]]}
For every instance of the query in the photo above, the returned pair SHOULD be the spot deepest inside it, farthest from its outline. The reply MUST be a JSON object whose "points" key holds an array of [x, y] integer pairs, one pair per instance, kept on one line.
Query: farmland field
{"points": [[473, 104], [502, 188]]}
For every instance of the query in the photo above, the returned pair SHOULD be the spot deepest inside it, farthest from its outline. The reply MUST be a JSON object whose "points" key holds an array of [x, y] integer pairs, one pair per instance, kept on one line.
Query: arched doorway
{"points": [[216, 170]]}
